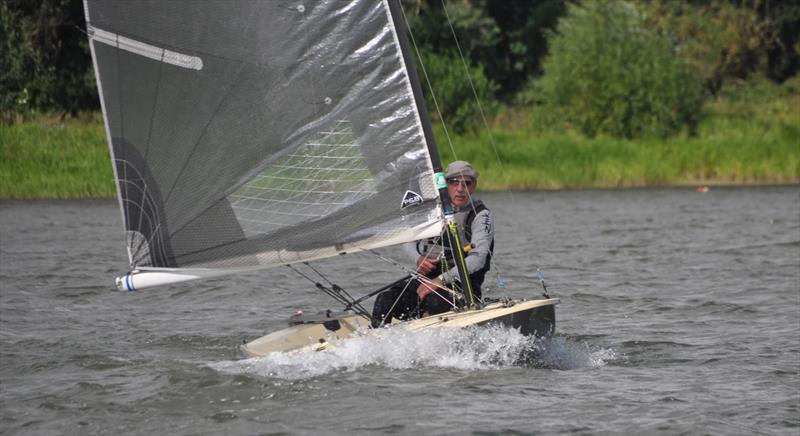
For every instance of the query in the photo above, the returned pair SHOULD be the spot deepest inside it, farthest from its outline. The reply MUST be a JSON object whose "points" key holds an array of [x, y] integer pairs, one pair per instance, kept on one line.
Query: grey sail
{"points": [[247, 134]]}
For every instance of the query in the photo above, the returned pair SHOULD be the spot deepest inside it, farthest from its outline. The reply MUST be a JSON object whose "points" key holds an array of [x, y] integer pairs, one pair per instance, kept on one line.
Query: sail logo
{"points": [[411, 199]]}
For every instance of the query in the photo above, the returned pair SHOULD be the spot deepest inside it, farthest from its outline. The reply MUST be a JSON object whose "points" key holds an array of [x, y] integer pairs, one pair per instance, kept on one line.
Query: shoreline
{"points": [[708, 184], [677, 185]]}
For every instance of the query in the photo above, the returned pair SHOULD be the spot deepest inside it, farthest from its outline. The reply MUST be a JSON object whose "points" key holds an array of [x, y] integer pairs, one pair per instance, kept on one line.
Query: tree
{"points": [[45, 63], [505, 38], [608, 73], [455, 102], [726, 39]]}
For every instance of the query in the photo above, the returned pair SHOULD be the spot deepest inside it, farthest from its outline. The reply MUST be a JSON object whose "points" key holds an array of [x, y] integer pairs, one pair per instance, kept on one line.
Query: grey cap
{"points": [[461, 168]]}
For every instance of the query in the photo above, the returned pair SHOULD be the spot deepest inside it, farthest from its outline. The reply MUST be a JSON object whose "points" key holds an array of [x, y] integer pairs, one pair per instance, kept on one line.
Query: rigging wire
{"points": [[475, 93], [415, 273], [432, 92], [334, 286], [397, 300], [428, 81], [335, 292], [501, 282]]}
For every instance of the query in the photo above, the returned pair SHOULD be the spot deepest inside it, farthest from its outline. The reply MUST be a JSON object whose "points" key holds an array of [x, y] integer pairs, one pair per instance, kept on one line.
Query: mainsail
{"points": [[247, 134]]}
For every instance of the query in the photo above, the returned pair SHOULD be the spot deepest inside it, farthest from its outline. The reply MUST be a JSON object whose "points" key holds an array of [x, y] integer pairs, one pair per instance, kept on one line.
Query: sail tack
{"points": [[249, 133]]}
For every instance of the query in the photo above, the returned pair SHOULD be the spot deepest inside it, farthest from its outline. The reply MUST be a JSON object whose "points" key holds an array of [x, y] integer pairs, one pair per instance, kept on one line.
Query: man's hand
{"points": [[426, 264], [426, 288]]}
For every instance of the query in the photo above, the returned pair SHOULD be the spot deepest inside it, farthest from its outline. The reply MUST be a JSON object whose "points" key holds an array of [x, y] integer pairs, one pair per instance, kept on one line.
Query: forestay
{"points": [[247, 134]]}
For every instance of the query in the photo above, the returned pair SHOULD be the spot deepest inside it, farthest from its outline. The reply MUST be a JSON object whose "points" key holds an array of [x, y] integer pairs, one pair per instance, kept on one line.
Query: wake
{"points": [[478, 348]]}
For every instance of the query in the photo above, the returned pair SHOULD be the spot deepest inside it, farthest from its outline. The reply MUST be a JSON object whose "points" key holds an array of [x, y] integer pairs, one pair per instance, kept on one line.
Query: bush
{"points": [[453, 92], [727, 41], [609, 74], [45, 65]]}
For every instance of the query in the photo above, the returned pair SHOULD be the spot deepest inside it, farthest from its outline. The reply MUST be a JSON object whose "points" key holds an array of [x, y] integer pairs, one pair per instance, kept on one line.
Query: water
{"points": [[680, 314]]}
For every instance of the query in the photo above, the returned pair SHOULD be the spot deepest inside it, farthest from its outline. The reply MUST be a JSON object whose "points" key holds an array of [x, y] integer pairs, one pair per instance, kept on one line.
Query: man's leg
{"points": [[399, 301], [433, 304]]}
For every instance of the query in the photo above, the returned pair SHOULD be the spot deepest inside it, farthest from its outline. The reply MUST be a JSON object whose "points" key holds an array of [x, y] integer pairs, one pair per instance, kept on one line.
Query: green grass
{"points": [[747, 136], [47, 157], [735, 143]]}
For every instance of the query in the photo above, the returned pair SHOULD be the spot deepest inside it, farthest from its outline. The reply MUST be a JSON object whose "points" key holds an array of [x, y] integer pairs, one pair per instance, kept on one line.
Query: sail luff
{"points": [[419, 98], [106, 125], [408, 57]]}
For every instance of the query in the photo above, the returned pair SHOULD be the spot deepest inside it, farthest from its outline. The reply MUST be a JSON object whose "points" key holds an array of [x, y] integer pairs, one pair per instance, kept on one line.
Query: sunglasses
{"points": [[456, 182]]}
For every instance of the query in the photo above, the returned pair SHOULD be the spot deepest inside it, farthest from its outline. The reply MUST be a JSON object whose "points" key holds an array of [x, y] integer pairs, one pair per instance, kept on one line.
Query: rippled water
{"points": [[680, 314]]}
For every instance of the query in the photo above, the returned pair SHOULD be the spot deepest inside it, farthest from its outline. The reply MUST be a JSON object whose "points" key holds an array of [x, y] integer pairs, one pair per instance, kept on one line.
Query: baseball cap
{"points": [[461, 168]]}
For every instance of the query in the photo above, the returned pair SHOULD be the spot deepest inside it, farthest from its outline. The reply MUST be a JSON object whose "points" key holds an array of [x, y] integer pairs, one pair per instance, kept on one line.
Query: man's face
{"points": [[461, 189]]}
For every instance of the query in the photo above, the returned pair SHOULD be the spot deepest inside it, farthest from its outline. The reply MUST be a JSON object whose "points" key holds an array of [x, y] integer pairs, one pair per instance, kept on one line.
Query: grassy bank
{"points": [[739, 141], [47, 157], [747, 136]]}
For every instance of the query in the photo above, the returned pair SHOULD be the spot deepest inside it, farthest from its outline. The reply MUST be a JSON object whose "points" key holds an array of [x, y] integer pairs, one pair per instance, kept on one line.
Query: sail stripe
{"points": [[145, 49]]}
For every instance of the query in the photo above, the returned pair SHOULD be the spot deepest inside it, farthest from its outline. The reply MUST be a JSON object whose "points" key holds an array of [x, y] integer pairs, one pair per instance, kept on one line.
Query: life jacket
{"points": [[464, 219]]}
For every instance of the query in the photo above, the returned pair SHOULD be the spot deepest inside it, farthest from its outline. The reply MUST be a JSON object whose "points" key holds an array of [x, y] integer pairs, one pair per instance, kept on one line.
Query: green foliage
{"points": [[15, 59], [44, 58], [744, 139], [609, 74], [45, 64], [505, 37], [522, 44], [726, 41], [453, 91]]}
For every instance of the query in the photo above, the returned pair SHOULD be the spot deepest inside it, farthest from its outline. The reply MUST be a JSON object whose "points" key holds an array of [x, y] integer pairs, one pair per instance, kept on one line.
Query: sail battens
{"points": [[274, 200], [319, 156], [290, 167], [331, 133], [293, 213], [308, 192], [302, 179], [144, 49]]}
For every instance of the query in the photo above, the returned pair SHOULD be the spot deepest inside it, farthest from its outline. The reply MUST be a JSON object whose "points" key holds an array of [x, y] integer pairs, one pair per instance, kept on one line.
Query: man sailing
{"points": [[414, 297]]}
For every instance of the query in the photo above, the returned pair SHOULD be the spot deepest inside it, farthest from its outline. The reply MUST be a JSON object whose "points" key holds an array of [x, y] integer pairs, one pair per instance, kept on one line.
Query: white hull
{"points": [[532, 317]]}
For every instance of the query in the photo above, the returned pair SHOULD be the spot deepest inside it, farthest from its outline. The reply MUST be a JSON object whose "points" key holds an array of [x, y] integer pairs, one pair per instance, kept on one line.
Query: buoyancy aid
{"points": [[464, 218]]}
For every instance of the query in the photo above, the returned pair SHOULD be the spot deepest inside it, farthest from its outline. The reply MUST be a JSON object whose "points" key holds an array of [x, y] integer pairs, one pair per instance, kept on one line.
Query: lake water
{"points": [[680, 314]]}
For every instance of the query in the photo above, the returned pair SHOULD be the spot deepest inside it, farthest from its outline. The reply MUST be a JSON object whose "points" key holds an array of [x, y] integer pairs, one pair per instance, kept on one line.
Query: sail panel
{"points": [[251, 133]]}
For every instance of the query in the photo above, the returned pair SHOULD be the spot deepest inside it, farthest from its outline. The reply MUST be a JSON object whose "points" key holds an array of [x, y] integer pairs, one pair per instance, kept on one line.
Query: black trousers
{"points": [[408, 304]]}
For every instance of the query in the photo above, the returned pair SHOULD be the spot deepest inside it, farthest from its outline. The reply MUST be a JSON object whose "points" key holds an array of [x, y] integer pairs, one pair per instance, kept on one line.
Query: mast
{"points": [[447, 207]]}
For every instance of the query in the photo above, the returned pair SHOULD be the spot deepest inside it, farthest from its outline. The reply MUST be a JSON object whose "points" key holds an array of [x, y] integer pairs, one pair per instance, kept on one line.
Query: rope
{"points": [[475, 93]]}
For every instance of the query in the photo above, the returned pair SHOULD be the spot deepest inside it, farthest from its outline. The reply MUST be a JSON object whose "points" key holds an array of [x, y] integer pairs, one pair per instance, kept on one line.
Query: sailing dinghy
{"points": [[251, 134]]}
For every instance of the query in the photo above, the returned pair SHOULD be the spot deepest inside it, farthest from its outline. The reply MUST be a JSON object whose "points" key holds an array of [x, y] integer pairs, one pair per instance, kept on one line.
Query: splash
{"points": [[563, 353], [490, 347]]}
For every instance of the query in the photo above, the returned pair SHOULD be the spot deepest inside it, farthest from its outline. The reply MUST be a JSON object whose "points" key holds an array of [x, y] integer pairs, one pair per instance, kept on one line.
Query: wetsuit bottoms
{"points": [[401, 302]]}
